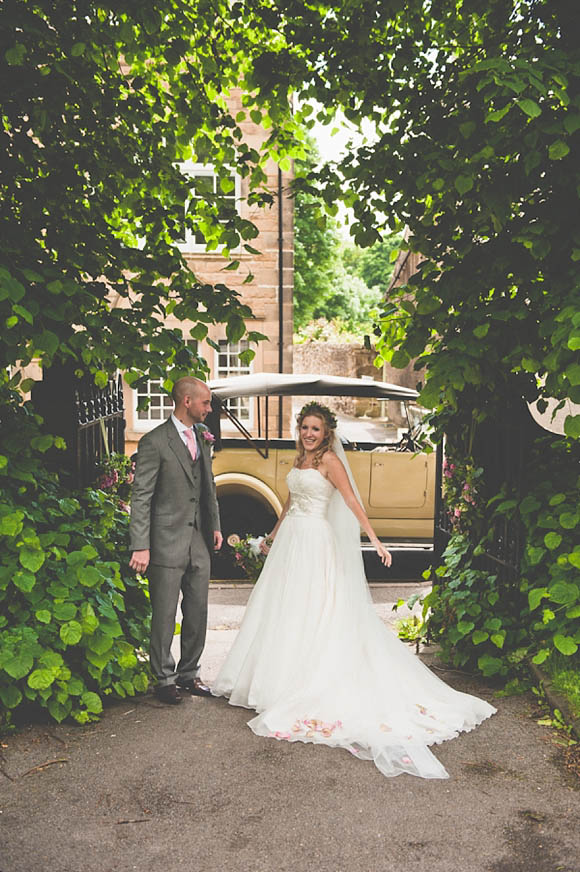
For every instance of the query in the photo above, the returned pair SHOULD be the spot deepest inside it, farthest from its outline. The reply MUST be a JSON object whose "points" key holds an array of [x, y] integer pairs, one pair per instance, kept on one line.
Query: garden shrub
{"points": [[74, 619], [551, 561], [478, 622], [482, 622]]}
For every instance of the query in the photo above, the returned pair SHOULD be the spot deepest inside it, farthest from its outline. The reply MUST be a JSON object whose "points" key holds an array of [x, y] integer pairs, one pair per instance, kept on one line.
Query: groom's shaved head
{"points": [[187, 386]]}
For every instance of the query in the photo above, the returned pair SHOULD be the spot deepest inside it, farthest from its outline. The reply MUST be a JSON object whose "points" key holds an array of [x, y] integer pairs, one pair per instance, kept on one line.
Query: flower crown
{"points": [[314, 408]]}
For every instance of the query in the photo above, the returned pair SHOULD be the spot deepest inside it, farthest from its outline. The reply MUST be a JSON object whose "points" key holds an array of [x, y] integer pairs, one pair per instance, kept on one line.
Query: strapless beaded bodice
{"points": [[310, 493]]}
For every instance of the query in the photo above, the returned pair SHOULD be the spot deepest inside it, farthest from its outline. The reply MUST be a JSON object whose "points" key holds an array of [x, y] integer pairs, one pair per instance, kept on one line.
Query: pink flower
{"points": [[457, 513], [208, 436]]}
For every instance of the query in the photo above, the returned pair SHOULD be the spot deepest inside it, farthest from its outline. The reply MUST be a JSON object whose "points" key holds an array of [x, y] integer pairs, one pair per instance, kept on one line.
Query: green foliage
{"points": [[551, 561], [103, 103], [564, 673], [333, 280], [350, 303], [476, 111], [410, 629], [316, 247], [477, 116], [376, 264], [321, 330], [553, 718], [74, 618], [479, 624], [493, 309], [484, 623]]}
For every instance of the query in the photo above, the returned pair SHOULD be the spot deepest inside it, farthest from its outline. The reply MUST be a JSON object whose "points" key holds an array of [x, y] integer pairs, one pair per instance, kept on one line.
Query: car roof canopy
{"points": [[274, 384]]}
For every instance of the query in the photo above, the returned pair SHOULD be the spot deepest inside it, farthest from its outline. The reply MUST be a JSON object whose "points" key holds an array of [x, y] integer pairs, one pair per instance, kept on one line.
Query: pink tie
{"points": [[191, 445]]}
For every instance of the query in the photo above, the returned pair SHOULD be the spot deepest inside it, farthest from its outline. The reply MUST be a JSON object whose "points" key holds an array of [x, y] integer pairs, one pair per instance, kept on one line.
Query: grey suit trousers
{"points": [[165, 585]]}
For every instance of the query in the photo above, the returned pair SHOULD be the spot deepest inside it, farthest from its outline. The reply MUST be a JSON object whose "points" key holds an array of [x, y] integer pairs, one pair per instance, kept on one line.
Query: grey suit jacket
{"points": [[166, 500]]}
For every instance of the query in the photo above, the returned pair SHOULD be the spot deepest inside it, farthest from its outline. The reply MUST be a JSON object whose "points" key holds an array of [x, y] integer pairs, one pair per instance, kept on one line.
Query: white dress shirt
{"points": [[181, 428]]}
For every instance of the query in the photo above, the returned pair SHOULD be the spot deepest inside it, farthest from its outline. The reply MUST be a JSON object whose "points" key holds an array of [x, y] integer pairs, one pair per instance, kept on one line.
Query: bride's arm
{"points": [[265, 546], [334, 470]]}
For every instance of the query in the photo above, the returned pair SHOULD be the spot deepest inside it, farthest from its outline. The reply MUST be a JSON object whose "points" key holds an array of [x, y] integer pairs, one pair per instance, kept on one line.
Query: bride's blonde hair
{"points": [[328, 418]]}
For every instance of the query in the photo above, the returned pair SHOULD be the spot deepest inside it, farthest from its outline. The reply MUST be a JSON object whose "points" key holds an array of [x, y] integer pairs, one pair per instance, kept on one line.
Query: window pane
{"points": [[229, 363], [204, 185], [160, 402]]}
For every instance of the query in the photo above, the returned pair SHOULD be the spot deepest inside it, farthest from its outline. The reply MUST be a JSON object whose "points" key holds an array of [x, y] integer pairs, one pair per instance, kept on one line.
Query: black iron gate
{"points": [[503, 449], [90, 419]]}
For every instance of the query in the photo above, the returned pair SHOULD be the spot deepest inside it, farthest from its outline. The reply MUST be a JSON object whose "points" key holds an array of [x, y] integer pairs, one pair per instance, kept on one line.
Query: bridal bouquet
{"points": [[247, 554]]}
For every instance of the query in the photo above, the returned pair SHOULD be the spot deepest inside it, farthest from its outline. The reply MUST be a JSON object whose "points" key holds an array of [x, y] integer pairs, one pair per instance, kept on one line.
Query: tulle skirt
{"points": [[316, 663]]}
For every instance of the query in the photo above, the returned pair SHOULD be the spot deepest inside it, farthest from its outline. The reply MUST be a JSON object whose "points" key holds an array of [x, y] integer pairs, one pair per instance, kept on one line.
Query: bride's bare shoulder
{"points": [[330, 461]]}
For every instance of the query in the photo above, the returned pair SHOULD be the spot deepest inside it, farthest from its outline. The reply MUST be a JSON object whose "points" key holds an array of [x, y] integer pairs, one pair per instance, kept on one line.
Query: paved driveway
{"points": [[160, 789]]}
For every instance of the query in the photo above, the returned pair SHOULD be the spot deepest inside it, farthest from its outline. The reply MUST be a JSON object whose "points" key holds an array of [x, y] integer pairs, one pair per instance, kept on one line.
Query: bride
{"points": [[312, 657]]}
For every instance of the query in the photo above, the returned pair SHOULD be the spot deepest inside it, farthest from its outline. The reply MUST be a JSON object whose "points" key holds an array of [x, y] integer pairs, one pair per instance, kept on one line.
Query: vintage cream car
{"points": [[396, 482]]}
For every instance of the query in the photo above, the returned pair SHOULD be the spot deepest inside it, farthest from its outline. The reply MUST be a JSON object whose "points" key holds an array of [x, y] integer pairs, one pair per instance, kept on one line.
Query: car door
{"points": [[399, 480]]}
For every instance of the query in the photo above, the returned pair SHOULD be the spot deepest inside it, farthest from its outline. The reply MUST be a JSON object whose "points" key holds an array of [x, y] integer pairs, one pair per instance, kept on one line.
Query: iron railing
{"points": [[100, 426], [90, 420], [503, 449]]}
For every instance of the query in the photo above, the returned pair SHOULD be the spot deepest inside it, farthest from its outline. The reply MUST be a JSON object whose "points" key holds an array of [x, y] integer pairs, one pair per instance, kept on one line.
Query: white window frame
{"points": [[143, 425], [190, 168], [239, 369]]}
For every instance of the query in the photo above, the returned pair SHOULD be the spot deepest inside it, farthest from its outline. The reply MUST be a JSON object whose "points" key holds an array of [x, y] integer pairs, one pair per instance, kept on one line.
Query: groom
{"points": [[174, 526]]}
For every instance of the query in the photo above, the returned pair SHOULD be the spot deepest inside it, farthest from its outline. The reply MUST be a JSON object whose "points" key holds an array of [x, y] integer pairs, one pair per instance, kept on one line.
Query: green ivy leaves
{"points": [[71, 633], [71, 637], [550, 572], [16, 664], [552, 540], [572, 426], [164, 73], [480, 622], [565, 644]]}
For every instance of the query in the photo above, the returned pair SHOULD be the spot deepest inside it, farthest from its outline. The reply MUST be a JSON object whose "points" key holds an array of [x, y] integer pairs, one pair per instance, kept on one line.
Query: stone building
{"points": [[269, 295]]}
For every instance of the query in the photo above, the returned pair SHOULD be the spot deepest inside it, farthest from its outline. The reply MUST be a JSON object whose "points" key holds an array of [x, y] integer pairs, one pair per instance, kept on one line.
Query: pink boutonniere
{"points": [[208, 436]]}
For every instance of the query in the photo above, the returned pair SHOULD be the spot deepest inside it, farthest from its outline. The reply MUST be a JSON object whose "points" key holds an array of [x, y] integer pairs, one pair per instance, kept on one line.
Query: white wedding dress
{"points": [[315, 661]]}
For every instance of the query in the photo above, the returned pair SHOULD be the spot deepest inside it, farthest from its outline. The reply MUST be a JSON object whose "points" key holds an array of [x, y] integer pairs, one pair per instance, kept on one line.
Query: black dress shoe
{"points": [[169, 694], [195, 686]]}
